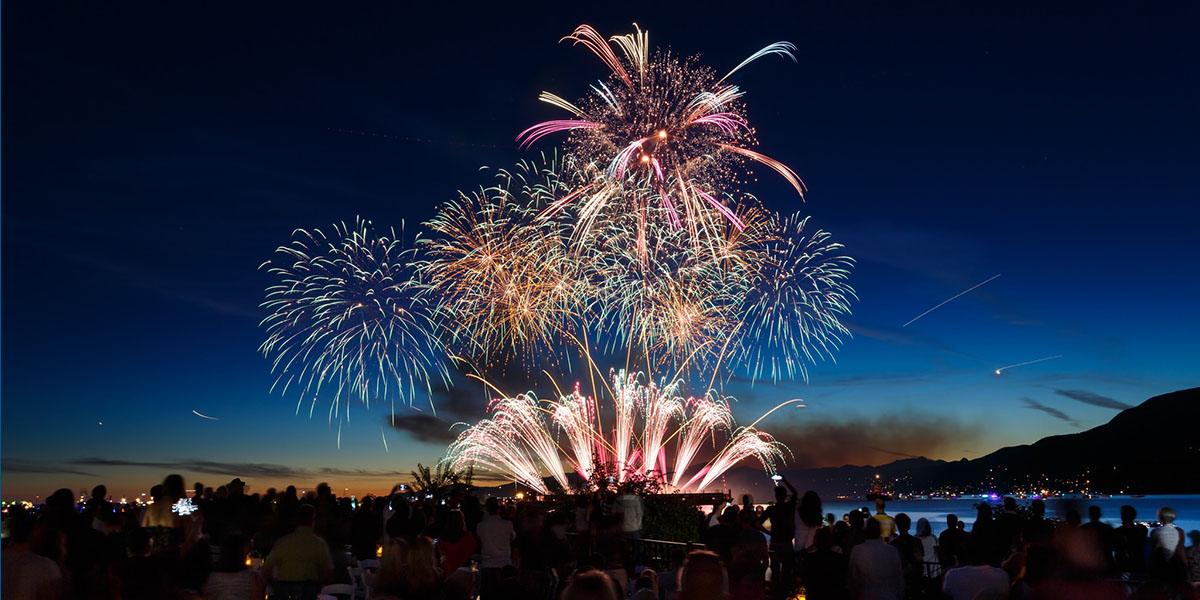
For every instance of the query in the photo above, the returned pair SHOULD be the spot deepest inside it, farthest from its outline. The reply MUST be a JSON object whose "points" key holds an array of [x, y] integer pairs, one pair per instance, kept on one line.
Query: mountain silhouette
{"points": [[1152, 448]]}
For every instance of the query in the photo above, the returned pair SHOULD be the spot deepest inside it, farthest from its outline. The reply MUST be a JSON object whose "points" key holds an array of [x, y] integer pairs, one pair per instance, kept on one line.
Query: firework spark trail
{"points": [[627, 397], [708, 417], [746, 443], [348, 321], [205, 416], [948, 300], [516, 439], [663, 408], [1002, 369], [575, 415]]}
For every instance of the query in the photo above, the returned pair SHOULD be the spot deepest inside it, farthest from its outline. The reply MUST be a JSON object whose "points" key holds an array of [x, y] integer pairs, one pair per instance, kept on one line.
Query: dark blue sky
{"points": [[154, 156]]}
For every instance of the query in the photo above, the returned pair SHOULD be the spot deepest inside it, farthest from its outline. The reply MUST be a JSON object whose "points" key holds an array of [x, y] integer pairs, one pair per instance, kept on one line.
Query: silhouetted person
{"points": [[231, 579], [887, 525], [782, 516], [26, 574], [823, 571], [1131, 538], [749, 565], [911, 551], [1104, 534], [950, 543], [978, 580], [874, 570], [720, 538], [496, 536], [141, 576]]}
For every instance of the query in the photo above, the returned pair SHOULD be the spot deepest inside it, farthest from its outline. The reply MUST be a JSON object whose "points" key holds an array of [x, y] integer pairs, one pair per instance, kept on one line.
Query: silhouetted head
{"points": [[951, 521], [99, 492], [729, 516], [880, 505], [780, 493], [1128, 514], [306, 515], [589, 585], [703, 577], [903, 522], [872, 529], [983, 513], [1166, 515], [1071, 515], [1010, 503], [856, 519], [1094, 513], [747, 519], [1038, 508], [492, 506], [810, 509], [173, 486], [923, 527], [156, 493]]}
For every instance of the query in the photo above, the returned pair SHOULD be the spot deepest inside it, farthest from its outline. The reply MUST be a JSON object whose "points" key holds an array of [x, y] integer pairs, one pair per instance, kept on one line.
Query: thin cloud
{"points": [[235, 469], [9, 465], [1050, 410], [1094, 399], [423, 427]]}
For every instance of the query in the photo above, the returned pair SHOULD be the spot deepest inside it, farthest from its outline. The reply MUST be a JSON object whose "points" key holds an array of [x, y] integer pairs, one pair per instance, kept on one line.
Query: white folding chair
{"points": [[337, 590]]}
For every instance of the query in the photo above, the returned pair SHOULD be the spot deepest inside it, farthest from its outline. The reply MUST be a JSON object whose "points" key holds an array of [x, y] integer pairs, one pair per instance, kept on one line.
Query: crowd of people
{"points": [[224, 543]]}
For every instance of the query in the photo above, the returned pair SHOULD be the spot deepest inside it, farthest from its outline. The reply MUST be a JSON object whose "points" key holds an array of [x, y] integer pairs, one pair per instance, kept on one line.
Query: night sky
{"points": [[154, 156]]}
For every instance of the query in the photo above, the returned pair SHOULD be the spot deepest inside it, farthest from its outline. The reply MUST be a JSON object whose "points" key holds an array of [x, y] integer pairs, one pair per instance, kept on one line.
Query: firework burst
{"points": [[661, 124], [521, 438], [792, 305], [348, 321]]}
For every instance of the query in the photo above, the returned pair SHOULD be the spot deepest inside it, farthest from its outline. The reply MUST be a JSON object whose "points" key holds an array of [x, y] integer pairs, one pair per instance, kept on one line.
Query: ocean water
{"points": [[1186, 507]]}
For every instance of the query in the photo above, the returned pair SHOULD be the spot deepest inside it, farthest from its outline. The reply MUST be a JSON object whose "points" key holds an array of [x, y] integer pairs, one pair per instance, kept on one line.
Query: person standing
{"points": [[782, 516], [631, 509], [887, 525], [496, 536], [875, 572]]}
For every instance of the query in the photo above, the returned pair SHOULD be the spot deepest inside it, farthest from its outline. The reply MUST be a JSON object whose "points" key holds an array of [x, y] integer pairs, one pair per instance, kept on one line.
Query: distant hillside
{"points": [[1152, 448]]}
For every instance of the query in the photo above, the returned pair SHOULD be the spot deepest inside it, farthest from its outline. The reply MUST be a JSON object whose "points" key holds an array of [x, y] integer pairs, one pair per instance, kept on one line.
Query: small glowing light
{"points": [[997, 371], [662, 134], [183, 507], [248, 561], [520, 495], [645, 159], [379, 551]]}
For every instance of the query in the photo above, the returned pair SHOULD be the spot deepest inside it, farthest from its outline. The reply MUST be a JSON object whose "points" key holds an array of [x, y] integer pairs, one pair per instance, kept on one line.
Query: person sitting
{"points": [[232, 580], [456, 544], [299, 563]]}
